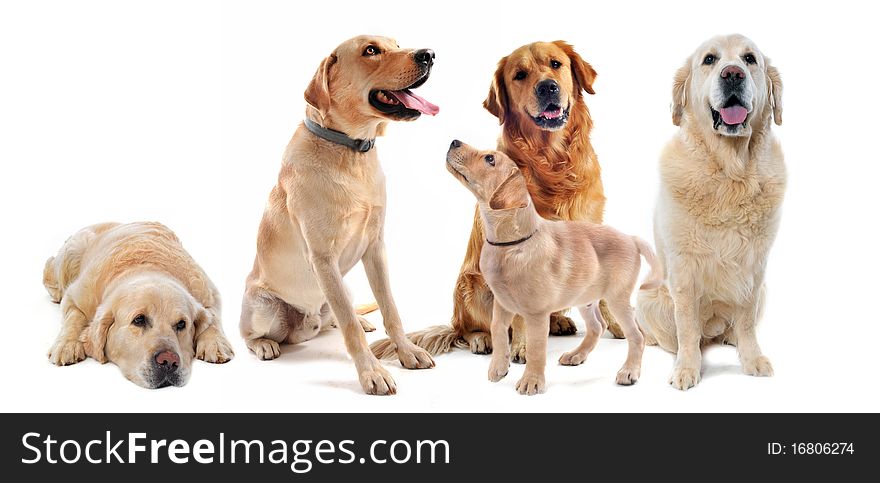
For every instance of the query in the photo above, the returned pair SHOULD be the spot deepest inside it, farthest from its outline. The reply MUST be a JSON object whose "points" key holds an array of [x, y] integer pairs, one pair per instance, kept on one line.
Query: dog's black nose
{"points": [[424, 56], [733, 74], [455, 144], [167, 361], [546, 88]]}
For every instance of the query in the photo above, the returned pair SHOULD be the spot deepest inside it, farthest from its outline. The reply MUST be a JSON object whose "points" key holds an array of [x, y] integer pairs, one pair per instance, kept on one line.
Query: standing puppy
{"points": [[722, 184], [536, 267], [328, 209]]}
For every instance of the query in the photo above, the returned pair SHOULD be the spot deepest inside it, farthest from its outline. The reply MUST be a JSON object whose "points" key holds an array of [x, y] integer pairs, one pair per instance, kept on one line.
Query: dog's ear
{"points": [[774, 87], [583, 72], [511, 193], [94, 338], [318, 92], [679, 92], [496, 101]]}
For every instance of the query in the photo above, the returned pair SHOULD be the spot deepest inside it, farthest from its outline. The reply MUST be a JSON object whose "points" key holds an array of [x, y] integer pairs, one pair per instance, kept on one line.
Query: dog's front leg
{"points": [[745, 323], [686, 373], [376, 266], [537, 330], [68, 347], [374, 378], [501, 319]]}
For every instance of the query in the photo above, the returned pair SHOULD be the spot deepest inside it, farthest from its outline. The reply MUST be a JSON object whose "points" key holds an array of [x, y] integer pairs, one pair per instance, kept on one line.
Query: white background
{"points": [[179, 112]]}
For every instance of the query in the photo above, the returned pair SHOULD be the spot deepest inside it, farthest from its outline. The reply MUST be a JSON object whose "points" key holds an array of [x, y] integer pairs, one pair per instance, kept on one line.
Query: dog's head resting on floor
{"points": [[537, 85], [491, 176], [147, 326], [367, 81], [727, 88]]}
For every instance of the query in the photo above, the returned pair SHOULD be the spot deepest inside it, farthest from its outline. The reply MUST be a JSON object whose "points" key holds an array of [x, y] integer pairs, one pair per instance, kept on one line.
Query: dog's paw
{"points": [[481, 343], [377, 381], [759, 366], [67, 352], [530, 384], [684, 378], [518, 352], [265, 349], [215, 350], [627, 376], [562, 325], [573, 358], [498, 368], [365, 324], [414, 357]]}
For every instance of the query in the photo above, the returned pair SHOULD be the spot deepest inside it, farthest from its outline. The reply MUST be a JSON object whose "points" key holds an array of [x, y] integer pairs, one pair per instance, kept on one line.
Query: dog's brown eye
{"points": [[371, 51], [520, 75], [180, 325], [750, 59], [490, 160], [709, 59], [140, 320], [555, 64]]}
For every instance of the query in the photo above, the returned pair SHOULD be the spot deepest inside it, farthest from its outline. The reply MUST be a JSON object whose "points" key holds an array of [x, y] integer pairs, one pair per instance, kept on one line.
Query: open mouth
{"points": [[552, 117], [732, 114], [403, 104]]}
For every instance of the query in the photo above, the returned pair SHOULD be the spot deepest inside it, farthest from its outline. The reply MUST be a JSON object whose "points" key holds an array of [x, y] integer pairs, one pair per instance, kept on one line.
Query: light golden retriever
{"points": [[131, 295], [537, 96], [536, 267], [327, 211], [722, 186]]}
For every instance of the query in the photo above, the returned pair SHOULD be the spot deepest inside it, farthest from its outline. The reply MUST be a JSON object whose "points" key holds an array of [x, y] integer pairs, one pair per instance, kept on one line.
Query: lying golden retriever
{"points": [[537, 96], [327, 211], [536, 267], [131, 295], [722, 185]]}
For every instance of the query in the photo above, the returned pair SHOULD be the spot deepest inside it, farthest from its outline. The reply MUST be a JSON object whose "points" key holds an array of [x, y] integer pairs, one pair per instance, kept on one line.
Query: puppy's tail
{"points": [[436, 340], [655, 276], [50, 280]]}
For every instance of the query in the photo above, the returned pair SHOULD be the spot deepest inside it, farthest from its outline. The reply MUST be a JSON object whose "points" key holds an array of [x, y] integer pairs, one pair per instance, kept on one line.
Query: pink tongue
{"points": [[413, 101], [733, 115], [552, 114]]}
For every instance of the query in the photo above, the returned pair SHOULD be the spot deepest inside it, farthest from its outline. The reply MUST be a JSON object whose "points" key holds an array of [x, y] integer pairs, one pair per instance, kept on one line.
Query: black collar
{"points": [[510, 243], [359, 145]]}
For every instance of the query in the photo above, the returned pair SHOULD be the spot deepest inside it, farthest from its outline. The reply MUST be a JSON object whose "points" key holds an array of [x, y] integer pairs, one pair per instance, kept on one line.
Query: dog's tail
{"points": [[436, 340], [655, 276], [364, 309]]}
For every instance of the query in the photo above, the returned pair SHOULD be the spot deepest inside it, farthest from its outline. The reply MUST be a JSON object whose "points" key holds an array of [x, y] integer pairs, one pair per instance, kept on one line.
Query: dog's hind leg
{"points": [[264, 323], [595, 326], [623, 312], [655, 314]]}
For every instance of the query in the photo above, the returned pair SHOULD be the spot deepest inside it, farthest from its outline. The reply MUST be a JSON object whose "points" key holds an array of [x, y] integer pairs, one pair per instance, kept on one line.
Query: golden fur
{"points": [[717, 214], [327, 213], [548, 265], [106, 275], [562, 174]]}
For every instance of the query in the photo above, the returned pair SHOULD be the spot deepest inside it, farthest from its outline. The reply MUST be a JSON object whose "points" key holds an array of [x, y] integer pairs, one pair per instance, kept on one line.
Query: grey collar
{"points": [[359, 145]]}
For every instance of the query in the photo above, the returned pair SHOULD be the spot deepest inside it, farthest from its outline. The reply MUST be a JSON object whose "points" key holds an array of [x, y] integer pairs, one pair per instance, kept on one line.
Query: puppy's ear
{"points": [[318, 92], [512, 193], [95, 337], [496, 101], [774, 86], [583, 72], [679, 92]]}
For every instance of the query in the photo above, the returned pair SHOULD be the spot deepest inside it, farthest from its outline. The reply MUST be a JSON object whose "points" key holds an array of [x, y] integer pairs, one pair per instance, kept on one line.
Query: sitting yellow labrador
{"points": [[130, 294], [536, 267]]}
